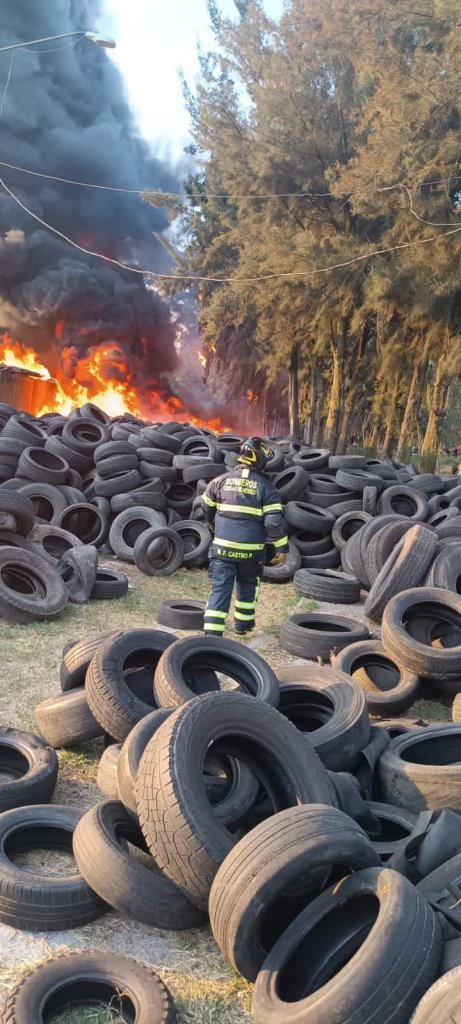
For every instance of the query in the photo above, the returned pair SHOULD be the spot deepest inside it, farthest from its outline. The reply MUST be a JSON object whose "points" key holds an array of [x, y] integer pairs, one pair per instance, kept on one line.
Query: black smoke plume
{"points": [[66, 114]]}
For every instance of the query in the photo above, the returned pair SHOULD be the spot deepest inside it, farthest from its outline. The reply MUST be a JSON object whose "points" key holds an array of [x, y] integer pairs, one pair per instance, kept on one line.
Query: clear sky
{"points": [[154, 39]]}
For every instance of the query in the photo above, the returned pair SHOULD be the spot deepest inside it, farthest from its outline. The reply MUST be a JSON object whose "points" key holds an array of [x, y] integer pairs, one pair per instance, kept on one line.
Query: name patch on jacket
{"points": [[244, 486]]}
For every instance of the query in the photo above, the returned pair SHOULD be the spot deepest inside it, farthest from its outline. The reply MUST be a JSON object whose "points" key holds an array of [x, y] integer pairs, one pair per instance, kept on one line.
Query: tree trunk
{"points": [[293, 393], [343, 436], [437, 411], [334, 404], [317, 418], [389, 435], [410, 416]]}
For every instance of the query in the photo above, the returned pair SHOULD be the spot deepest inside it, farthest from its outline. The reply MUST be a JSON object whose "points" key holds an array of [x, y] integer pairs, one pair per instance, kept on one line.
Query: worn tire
{"points": [[32, 766], [76, 660], [327, 585], [179, 665], [313, 635], [181, 614], [346, 525], [303, 516], [381, 546], [434, 780], [107, 777], [196, 539], [403, 501], [334, 717], [440, 1004], [114, 705], [30, 587], [52, 542], [66, 720], [128, 526], [21, 508], [120, 879], [283, 573], [154, 563], [396, 827], [389, 689], [290, 850], [37, 902], [181, 829], [109, 585], [442, 664], [63, 977], [445, 571], [389, 923], [406, 567], [78, 568]]}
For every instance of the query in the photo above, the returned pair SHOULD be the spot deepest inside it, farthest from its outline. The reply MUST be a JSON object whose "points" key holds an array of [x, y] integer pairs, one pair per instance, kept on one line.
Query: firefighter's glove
{"points": [[279, 559]]}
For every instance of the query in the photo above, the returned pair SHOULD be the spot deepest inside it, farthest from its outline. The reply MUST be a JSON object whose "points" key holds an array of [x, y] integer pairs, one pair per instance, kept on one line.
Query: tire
{"points": [[114, 705], [107, 777], [111, 448], [451, 956], [375, 917], [440, 1004], [52, 542], [166, 474], [109, 585], [250, 905], [84, 434], [316, 458], [139, 498], [331, 498], [355, 505], [155, 455], [327, 585], [113, 464], [30, 588], [47, 501], [32, 766], [86, 522], [66, 720], [356, 548], [21, 508], [327, 560], [180, 498], [64, 977], [128, 526], [335, 718], [396, 827], [21, 428], [181, 614], [347, 462], [174, 686], [441, 664], [190, 844], [442, 517], [309, 543], [81, 463], [406, 567], [434, 780], [196, 539], [205, 472], [403, 501], [283, 573], [121, 880], [445, 571], [164, 563], [291, 483], [381, 546], [346, 525], [356, 480], [119, 484], [159, 439], [76, 660], [389, 689], [43, 467], [78, 568], [36, 902], [308, 517], [370, 500], [312, 635]]}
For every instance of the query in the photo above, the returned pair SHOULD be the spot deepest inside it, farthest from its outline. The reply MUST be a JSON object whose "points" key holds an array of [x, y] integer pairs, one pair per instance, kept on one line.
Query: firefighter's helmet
{"points": [[255, 452]]}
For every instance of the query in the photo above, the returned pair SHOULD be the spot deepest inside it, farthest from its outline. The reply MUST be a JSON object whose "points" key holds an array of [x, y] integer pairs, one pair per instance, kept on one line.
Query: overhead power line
{"points": [[216, 195], [223, 280]]}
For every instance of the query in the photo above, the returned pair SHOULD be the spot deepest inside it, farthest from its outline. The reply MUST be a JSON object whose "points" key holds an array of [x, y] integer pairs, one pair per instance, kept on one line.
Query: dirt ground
{"points": [[206, 991]]}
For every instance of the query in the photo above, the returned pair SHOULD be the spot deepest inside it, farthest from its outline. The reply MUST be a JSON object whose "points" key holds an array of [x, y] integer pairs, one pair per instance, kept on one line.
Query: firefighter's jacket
{"points": [[246, 513]]}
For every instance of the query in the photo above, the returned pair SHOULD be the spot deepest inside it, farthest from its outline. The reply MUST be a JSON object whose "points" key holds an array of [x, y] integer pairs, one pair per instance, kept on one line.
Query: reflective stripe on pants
{"points": [[246, 575]]}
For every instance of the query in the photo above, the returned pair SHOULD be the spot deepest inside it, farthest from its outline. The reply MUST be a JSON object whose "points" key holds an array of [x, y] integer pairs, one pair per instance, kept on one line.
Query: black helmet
{"points": [[255, 452]]}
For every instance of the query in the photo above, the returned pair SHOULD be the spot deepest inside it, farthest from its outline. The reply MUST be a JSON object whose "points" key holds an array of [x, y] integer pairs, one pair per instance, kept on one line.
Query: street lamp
{"points": [[94, 37]]}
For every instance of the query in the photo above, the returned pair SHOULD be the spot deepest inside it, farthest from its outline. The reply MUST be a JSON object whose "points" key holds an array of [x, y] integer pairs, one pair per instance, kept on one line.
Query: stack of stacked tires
{"points": [[276, 809]]}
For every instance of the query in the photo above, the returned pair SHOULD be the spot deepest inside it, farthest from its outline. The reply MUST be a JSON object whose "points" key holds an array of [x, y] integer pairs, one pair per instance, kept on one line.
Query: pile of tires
{"points": [[268, 802]]}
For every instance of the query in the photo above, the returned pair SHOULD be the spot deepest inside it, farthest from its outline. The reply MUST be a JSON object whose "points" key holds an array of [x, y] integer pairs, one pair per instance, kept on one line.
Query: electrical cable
{"points": [[216, 195], [223, 280], [8, 80]]}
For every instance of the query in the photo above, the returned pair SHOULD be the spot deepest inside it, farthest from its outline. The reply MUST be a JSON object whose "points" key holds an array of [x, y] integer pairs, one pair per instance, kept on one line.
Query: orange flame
{"points": [[202, 359], [116, 395]]}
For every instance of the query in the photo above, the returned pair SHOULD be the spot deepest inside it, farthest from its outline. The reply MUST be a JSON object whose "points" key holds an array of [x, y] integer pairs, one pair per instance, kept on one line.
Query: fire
{"points": [[102, 378], [202, 359], [14, 354], [252, 397]]}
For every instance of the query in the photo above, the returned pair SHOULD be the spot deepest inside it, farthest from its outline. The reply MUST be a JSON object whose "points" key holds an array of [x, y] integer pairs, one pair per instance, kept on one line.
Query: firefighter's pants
{"points": [[246, 575]]}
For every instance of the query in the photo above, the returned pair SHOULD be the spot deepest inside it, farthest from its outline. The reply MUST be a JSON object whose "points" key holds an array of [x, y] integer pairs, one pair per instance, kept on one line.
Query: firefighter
{"points": [[246, 513]]}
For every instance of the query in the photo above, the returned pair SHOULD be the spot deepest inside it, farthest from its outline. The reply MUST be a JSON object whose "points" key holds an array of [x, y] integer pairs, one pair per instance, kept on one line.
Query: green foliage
{"points": [[354, 116]]}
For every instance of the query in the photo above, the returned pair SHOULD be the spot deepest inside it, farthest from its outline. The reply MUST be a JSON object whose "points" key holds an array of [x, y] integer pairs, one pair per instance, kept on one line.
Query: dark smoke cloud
{"points": [[66, 113]]}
